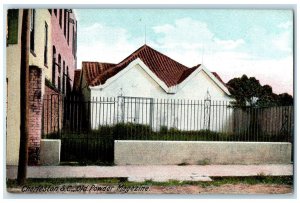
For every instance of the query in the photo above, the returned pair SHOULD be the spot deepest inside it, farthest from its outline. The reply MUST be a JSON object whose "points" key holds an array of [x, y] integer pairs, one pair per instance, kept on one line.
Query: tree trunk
{"points": [[23, 152]]}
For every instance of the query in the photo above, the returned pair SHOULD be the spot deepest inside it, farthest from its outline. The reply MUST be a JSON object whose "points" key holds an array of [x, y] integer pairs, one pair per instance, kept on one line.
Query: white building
{"points": [[150, 88]]}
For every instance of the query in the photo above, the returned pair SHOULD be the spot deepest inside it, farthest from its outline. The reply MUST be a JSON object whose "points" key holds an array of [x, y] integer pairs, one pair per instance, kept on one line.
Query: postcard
{"points": [[149, 101]]}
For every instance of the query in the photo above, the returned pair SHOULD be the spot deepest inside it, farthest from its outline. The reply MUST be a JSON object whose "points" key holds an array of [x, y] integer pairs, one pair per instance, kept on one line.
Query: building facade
{"points": [[64, 48], [151, 88], [42, 39]]}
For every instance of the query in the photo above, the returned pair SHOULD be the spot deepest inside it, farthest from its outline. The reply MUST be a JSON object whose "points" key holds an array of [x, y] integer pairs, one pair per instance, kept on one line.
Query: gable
{"points": [[166, 72], [166, 69]]}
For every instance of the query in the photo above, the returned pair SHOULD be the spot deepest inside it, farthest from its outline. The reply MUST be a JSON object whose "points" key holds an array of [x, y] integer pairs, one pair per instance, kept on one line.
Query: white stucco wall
{"points": [[13, 58], [185, 109]]}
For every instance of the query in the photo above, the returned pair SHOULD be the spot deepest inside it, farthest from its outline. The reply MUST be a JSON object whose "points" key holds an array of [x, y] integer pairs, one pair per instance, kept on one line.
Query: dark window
{"points": [[65, 22], [75, 54], [50, 11], [32, 29], [64, 78], [53, 65], [46, 45], [73, 40], [55, 12], [60, 17], [68, 28], [59, 72], [12, 26], [67, 81]]}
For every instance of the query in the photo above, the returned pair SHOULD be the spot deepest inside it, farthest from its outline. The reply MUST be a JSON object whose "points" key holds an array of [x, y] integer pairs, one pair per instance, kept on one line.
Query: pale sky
{"points": [[257, 43]]}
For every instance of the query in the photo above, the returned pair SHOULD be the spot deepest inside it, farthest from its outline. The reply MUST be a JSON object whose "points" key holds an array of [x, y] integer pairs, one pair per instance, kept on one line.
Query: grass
{"points": [[133, 131], [217, 181]]}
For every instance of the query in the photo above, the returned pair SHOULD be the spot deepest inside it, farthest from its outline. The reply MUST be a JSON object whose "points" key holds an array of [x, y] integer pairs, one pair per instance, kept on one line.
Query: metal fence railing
{"points": [[90, 127]]}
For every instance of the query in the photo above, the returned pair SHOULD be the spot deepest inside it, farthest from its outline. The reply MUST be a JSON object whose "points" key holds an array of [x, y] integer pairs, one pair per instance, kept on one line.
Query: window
{"points": [[50, 11], [60, 17], [68, 29], [12, 26], [64, 78], [32, 29], [65, 21], [55, 12], [73, 41], [59, 73], [75, 54], [67, 81], [46, 45], [53, 65]]}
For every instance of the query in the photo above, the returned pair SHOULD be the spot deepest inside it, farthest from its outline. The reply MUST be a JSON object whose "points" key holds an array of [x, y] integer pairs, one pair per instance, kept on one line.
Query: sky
{"points": [[231, 42]]}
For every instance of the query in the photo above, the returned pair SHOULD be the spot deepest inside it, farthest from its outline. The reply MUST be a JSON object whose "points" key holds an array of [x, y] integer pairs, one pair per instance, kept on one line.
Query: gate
{"points": [[86, 136], [52, 115]]}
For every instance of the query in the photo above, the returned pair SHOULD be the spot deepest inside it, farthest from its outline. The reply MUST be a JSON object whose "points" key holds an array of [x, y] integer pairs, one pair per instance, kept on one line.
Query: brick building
{"points": [[52, 61]]}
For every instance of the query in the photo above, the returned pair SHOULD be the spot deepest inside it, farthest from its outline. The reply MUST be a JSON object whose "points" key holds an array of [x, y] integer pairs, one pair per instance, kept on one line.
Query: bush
{"points": [[123, 131]]}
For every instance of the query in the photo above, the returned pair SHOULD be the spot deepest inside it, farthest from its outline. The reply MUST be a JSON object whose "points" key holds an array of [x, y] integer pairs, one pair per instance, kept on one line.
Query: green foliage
{"points": [[131, 131], [249, 92], [285, 99], [163, 129]]}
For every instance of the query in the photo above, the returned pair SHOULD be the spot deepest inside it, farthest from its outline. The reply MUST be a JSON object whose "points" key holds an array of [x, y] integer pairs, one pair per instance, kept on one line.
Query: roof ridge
{"points": [[165, 56], [149, 56], [132, 55]]}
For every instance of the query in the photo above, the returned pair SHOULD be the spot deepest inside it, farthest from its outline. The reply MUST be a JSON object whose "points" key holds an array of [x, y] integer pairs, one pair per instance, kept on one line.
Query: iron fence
{"points": [[90, 127]]}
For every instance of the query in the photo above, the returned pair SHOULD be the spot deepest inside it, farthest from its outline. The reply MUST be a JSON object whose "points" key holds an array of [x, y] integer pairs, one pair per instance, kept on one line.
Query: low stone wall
{"points": [[50, 152], [134, 152]]}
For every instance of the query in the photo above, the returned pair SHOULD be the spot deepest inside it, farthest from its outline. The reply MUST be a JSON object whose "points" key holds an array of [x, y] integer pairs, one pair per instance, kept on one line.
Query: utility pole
{"points": [[23, 152]]}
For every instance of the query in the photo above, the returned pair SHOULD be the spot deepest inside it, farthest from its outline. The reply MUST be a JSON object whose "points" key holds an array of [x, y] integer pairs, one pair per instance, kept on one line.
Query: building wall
{"points": [[13, 58], [136, 82], [66, 50], [132, 83], [53, 111], [35, 114], [188, 102], [13, 65], [37, 57], [197, 87]]}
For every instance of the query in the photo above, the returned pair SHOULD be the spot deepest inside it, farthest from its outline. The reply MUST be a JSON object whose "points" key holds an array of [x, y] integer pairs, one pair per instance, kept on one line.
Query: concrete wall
{"points": [[50, 152], [128, 152]]}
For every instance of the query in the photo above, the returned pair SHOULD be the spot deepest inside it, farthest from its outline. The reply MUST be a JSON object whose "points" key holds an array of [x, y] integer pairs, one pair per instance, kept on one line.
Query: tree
{"points": [[249, 92], [285, 99]]}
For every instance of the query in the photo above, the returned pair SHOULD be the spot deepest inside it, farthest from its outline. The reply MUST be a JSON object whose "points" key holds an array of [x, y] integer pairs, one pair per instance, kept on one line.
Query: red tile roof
{"points": [[92, 70], [165, 68], [219, 78]]}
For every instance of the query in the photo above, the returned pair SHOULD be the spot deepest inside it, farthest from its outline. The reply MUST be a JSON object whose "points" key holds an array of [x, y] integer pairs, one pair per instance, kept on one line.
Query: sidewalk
{"points": [[153, 172]]}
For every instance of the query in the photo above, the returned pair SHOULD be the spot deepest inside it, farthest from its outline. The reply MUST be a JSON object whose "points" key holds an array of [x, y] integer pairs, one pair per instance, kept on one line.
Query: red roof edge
{"points": [[219, 78]]}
